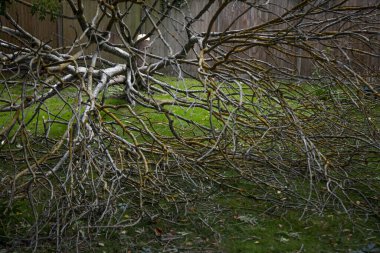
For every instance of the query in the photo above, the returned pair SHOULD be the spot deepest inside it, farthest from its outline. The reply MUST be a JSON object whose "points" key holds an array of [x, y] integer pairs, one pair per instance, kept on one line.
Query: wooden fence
{"points": [[48, 31], [64, 31]]}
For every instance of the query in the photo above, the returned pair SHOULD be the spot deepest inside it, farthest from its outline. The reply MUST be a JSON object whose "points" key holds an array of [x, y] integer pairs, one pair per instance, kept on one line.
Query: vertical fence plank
{"points": [[63, 32], [45, 30]]}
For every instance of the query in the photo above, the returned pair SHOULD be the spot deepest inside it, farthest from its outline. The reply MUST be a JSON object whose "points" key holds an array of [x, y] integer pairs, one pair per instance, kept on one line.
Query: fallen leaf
{"points": [[140, 230], [158, 231], [294, 235], [247, 219]]}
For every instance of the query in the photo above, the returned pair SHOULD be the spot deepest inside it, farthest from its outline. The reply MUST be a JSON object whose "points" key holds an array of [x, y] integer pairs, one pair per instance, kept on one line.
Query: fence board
{"points": [[238, 15], [45, 30]]}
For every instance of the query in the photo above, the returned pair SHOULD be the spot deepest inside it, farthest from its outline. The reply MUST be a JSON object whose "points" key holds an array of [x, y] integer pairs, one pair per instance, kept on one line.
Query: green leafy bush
{"points": [[44, 7]]}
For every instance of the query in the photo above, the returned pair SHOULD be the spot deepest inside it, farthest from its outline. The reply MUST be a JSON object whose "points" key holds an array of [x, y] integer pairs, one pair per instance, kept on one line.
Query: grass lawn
{"points": [[221, 219], [228, 222]]}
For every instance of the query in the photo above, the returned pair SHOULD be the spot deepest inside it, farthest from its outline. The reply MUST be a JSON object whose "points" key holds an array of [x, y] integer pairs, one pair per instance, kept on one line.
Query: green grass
{"points": [[226, 221], [284, 231]]}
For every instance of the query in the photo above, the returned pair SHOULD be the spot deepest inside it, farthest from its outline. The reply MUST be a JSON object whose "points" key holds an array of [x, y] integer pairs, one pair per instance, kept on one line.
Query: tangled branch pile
{"points": [[288, 102]]}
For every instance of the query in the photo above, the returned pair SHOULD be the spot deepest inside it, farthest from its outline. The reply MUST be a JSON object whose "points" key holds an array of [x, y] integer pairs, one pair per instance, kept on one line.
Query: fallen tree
{"points": [[312, 136]]}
